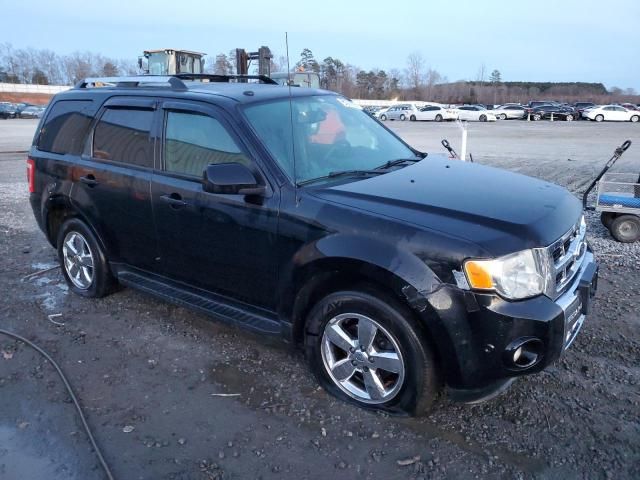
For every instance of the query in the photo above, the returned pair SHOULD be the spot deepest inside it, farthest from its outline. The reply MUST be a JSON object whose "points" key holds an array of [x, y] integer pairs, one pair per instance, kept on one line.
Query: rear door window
{"points": [[66, 127], [123, 135]]}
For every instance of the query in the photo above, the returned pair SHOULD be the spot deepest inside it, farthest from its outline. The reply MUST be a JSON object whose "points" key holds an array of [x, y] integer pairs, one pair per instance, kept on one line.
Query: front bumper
{"points": [[483, 329]]}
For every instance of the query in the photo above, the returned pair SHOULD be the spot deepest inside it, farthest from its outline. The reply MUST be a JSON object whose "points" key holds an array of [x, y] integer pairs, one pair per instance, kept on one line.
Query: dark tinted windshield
{"points": [[329, 133]]}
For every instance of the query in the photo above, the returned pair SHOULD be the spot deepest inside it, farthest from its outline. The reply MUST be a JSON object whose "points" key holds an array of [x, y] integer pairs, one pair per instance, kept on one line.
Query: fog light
{"points": [[516, 354], [523, 353]]}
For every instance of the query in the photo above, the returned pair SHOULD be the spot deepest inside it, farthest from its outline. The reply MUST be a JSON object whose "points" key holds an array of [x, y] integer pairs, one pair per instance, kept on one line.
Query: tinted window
{"points": [[194, 141], [122, 135], [66, 127]]}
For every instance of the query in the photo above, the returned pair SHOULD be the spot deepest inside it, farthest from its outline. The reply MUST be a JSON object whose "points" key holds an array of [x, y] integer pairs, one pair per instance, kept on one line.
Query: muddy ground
{"points": [[148, 373]]}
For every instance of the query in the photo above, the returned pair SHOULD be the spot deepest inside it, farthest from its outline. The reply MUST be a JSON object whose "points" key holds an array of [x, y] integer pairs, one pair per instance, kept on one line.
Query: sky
{"points": [[542, 40]]}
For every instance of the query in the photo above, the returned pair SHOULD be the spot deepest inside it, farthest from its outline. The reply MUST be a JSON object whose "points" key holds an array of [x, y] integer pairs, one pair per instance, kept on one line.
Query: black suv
{"points": [[291, 212]]}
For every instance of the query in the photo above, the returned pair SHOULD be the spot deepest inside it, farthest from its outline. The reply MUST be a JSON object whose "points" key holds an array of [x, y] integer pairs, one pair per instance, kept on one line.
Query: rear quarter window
{"points": [[66, 127]]}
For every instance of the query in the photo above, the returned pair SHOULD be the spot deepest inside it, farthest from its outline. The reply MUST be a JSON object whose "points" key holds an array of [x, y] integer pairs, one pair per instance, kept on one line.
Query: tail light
{"points": [[31, 174]]}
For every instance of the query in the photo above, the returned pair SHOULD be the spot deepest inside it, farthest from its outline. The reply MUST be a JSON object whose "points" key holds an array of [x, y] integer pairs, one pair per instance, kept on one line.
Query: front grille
{"points": [[567, 255]]}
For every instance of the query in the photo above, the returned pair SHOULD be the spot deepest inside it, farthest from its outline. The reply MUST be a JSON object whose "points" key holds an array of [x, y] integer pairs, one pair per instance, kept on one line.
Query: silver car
{"points": [[509, 111], [397, 112]]}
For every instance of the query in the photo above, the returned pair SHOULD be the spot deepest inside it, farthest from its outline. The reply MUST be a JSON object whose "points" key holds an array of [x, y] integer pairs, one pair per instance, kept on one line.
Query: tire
{"points": [[569, 118], [634, 118], [411, 390], [599, 118], [383, 117], [438, 118], [502, 116], [607, 218], [86, 270], [483, 118], [626, 228], [537, 117], [412, 118], [402, 117]]}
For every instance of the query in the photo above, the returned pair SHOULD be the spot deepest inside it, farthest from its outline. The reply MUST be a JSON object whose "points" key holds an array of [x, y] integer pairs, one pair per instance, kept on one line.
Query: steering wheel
{"points": [[336, 147]]}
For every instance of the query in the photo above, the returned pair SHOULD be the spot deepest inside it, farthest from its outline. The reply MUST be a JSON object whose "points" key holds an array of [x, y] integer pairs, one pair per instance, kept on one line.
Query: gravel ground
{"points": [[150, 374]]}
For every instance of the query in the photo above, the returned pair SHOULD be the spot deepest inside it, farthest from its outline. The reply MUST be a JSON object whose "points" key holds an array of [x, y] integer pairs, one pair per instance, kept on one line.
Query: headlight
{"points": [[516, 276]]}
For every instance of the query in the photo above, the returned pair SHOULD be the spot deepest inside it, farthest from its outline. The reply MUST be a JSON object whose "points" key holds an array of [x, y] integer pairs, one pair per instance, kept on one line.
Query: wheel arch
{"points": [[58, 209]]}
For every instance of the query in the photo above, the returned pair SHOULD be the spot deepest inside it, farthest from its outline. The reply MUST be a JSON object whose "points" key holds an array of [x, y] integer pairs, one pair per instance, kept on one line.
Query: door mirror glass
{"points": [[231, 178]]}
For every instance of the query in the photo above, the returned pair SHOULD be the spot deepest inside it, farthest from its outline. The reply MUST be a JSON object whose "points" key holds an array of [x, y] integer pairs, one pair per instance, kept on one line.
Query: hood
{"points": [[500, 211]]}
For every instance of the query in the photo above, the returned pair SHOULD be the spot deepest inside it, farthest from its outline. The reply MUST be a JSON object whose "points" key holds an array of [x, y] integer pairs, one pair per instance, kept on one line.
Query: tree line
{"points": [[416, 81]]}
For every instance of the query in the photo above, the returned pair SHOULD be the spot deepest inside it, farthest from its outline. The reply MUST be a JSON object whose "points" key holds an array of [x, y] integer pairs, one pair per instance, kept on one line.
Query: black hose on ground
{"points": [[71, 394]]}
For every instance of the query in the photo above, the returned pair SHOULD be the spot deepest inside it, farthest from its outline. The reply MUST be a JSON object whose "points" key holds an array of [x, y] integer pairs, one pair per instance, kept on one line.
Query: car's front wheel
{"points": [[383, 117], [483, 118], [503, 116], [635, 118], [412, 118], [84, 264], [569, 118], [438, 118], [364, 347], [599, 118], [402, 117]]}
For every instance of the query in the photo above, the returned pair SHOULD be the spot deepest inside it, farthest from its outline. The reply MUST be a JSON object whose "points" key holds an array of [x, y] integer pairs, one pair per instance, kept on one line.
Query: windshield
{"points": [[330, 134]]}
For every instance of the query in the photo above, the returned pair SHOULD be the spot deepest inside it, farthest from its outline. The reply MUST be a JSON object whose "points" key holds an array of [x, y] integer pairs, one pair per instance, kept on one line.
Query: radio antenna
{"points": [[293, 145]]}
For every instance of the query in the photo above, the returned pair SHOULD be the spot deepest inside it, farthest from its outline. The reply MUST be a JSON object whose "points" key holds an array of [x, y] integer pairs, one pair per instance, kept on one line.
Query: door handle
{"points": [[174, 200], [89, 180]]}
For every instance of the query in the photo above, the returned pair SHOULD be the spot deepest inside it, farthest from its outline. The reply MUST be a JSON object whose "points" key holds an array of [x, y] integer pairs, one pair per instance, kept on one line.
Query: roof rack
{"points": [[176, 82], [225, 78]]}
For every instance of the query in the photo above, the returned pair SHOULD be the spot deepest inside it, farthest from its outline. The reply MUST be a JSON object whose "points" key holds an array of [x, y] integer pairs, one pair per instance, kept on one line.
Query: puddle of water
{"points": [[18, 459]]}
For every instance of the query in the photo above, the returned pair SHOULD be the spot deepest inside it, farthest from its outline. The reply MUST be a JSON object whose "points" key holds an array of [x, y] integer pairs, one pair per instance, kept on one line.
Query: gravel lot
{"points": [[148, 372]]}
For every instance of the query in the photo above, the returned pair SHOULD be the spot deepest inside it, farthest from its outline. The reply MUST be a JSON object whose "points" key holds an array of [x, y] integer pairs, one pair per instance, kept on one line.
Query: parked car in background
{"points": [[397, 112], [553, 111], [475, 113], [630, 106], [8, 110], [435, 113], [505, 112], [32, 112], [580, 107], [380, 112], [611, 113]]}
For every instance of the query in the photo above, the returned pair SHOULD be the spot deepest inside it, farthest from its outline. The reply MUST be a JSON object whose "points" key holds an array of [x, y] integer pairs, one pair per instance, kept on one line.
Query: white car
{"points": [[613, 113], [475, 113], [505, 112], [377, 113], [435, 113]]}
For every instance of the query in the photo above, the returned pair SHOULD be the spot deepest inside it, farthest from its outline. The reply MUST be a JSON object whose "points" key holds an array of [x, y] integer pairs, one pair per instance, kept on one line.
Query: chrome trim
{"points": [[570, 296], [570, 259]]}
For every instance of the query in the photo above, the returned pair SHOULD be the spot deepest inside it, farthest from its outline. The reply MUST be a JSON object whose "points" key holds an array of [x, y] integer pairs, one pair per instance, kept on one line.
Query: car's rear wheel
{"points": [[438, 118], [84, 264], [626, 228], [483, 118], [537, 117], [364, 348], [383, 117], [635, 118], [569, 118], [412, 118], [502, 116], [599, 118], [402, 117]]}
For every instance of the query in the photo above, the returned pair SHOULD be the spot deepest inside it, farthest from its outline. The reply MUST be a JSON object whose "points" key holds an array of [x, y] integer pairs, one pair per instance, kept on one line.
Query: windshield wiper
{"points": [[399, 161], [341, 173]]}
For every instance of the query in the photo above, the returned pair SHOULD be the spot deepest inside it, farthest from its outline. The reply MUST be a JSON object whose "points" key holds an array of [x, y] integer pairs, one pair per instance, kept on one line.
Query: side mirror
{"points": [[231, 178]]}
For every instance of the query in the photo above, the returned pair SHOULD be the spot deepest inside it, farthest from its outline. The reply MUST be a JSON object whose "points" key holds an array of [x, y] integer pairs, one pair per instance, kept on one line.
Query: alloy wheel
{"points": [[362, 358], [78, 260]]}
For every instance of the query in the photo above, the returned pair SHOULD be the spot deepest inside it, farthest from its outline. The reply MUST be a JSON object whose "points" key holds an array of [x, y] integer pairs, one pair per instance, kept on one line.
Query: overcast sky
{"points": [[542, 40]]}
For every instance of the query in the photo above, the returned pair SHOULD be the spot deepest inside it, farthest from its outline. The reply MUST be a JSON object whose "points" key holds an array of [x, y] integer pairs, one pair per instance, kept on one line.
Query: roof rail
{"points": [[174, 81], [225, 78], [134, 81]]}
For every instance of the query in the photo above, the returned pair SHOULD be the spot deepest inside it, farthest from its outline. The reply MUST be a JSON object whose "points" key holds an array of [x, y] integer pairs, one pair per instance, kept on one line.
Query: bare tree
{"points": [[482, 73], [415, 72], [222, 65]]}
